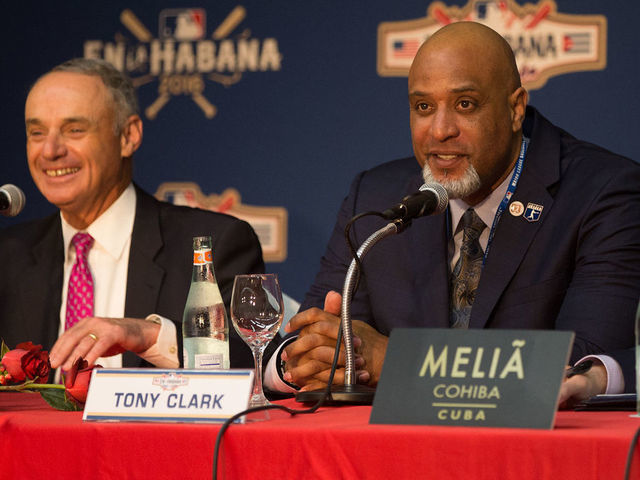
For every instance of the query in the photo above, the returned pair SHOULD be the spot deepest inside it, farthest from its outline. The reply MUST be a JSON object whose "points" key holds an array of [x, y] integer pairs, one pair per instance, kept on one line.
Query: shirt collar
{"points": [[112, 229], [486, 209]]}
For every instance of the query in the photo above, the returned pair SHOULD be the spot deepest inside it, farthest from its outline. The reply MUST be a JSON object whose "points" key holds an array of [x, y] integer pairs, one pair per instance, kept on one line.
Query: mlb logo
{"points": [[533, 211], [183, 24]]}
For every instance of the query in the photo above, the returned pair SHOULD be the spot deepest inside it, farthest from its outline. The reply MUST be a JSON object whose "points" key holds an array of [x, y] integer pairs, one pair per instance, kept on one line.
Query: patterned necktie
{"points": [[80, 293], [466, 273]]}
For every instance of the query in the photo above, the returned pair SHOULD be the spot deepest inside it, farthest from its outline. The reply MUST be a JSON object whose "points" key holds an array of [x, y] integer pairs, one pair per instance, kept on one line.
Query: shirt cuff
{"points": [[273, 374], [615, 379], [163, 353]]}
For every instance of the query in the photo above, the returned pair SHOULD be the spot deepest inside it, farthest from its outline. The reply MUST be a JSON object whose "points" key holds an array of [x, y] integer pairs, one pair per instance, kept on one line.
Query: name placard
{"points": [[156, 395], [481, 378]]}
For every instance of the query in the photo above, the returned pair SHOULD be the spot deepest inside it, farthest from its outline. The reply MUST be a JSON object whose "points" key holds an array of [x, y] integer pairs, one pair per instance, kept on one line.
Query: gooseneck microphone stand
{"points": [[351, 392]]}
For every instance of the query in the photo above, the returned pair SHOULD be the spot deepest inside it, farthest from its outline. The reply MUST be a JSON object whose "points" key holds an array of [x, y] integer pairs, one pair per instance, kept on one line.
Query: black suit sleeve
{"points": [[601, 300], [335, 262]]}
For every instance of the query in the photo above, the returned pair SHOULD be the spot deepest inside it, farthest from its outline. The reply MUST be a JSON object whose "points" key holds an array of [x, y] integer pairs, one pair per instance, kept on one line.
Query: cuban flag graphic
{"points": [[576, 43]]}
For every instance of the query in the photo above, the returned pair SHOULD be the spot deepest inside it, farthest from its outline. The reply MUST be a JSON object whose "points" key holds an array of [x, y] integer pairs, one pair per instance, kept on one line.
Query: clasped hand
{"points": [[308, 359]]}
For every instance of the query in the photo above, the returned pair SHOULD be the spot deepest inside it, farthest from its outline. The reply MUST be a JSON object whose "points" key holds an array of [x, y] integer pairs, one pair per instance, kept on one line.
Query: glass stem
{"points": [[257, 381]]}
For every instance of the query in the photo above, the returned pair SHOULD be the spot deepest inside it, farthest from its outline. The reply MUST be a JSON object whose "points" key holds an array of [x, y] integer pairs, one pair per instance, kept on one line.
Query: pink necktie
{"points": [[80, 293]]}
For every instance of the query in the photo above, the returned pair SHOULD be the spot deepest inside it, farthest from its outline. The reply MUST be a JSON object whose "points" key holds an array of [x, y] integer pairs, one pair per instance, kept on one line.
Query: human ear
{"points": [[131, 136], [518, 104]]}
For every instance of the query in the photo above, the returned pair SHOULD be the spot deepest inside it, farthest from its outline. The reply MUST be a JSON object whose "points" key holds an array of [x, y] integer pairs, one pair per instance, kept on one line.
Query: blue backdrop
{"points": [[292, 136]]}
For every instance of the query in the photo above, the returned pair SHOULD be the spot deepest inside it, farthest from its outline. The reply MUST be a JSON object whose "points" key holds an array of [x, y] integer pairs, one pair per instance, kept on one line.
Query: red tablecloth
{"points": [[37, 442]]}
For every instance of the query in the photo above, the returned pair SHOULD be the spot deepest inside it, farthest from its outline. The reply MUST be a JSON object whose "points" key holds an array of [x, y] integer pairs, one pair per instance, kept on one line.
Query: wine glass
{"points": [[256, 314]]}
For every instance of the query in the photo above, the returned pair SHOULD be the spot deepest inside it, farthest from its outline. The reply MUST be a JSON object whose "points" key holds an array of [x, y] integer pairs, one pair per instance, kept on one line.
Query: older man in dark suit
{"points": [[83, 128]]}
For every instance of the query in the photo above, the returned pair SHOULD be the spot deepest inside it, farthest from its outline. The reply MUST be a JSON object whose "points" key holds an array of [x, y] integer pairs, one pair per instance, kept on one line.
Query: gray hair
{"points": [[468, 184], [122, 90]]}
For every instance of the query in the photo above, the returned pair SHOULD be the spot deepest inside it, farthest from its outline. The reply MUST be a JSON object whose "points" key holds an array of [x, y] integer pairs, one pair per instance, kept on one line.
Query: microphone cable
{"points": [[273, 406], [632, 447]]}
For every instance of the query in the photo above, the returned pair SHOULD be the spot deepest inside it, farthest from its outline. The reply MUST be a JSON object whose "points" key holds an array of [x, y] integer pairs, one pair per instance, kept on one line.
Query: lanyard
{"points": [[507, 196]]}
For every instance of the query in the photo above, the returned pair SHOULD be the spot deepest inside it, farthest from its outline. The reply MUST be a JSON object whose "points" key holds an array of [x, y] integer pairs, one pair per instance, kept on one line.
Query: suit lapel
{"points": [[429, 243], [428, 247], [511, 242], [514, 234], [44, 303], [145, 276]]}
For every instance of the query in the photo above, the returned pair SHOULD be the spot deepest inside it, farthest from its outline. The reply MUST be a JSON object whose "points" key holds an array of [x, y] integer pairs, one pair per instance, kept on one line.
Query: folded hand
{"points": [[309, 358]]}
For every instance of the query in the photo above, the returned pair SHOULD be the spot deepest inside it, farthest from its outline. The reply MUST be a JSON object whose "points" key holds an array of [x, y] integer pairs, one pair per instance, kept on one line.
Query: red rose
{"points": [[36, 364], [12, 362], [76, 381], [27, 361]]}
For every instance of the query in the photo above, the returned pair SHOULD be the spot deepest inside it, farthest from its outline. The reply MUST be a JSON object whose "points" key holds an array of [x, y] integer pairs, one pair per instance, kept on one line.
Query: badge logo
{"points": [[516, 209], [545, 43], [533, 211], [182, 58], [269, 223], [170, 381]]}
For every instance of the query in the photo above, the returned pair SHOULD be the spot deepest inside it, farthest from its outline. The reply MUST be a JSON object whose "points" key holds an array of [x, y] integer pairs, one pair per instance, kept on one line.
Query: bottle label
{"points": [[208, 360], [205, 353], [202, 257]]}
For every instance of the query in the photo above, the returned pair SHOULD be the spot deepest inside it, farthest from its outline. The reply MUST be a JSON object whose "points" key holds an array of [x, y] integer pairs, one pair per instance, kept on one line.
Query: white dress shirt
{"points": [[109, 262]]}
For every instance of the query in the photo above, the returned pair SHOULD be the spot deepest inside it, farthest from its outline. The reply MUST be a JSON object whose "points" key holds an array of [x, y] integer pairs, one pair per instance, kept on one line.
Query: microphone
{"points": [[12, 200], [431, 199]]}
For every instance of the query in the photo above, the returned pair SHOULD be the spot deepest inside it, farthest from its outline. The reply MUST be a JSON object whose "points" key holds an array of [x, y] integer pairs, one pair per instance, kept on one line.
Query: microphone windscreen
{"points": [[440, 192], [17, 200]]}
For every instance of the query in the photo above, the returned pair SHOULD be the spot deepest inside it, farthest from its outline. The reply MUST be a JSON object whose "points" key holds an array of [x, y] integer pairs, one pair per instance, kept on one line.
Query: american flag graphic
{"points": [[576, 42], [405, 48]]}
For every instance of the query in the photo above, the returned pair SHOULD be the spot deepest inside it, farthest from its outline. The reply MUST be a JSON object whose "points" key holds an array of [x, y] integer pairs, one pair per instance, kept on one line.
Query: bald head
{"points": [[467, 109], [489, 49]]}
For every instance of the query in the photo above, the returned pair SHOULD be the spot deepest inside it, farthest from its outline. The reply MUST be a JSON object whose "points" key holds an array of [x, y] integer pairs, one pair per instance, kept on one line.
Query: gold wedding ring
{"points": [[93, 337]]}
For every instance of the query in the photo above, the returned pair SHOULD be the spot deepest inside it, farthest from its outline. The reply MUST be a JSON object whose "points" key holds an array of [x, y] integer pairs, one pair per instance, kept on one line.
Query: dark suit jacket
{"points": [[576, 268], [159, 275]]}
